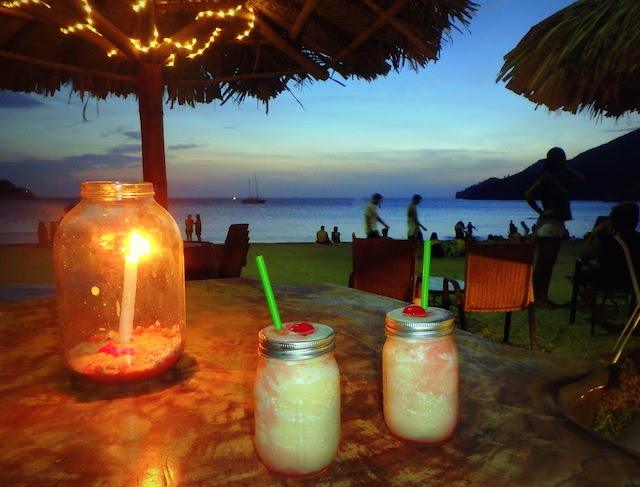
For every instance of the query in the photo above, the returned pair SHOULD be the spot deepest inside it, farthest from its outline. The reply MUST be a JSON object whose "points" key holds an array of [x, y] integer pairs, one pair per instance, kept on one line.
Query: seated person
{"points": [[603, 255], [322, 237], [436, 246], [335, 235], [385, 233], [456, 248], [515, 237]]}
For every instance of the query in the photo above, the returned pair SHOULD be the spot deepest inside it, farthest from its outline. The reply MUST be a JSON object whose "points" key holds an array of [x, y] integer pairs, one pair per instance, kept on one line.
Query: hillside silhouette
{"points": [[9, 190], [612, 171]]}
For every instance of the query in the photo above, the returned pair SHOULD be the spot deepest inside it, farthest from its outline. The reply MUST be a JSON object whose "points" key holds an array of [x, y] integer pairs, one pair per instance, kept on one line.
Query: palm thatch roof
{"points": [[586, 57], [292, 40], [198, 51]]}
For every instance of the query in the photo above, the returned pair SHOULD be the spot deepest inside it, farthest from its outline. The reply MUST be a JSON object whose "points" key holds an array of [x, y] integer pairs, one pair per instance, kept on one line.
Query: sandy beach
{"points": [[26, 272]]}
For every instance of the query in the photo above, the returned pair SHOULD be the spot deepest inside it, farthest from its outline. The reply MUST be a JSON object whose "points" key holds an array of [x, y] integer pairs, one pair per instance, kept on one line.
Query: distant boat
{"points": [[254, 200]]}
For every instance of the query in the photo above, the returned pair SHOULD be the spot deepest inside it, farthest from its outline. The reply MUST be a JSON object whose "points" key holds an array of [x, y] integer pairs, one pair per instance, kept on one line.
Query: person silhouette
{"points": [[413, 224], [188, 228], [459, 229], [436, 246], [322, 237], [551, 187], [603, 259], [371, 217], [335, 235], [469, 231], [198, 227]]}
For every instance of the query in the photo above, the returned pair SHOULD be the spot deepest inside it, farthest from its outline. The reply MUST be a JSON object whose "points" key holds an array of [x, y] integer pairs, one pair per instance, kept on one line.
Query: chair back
{"points": [[634, 319], [498, 276], [200, 261], [631, 264], [613, 268], [232, 256], [384, 266]]}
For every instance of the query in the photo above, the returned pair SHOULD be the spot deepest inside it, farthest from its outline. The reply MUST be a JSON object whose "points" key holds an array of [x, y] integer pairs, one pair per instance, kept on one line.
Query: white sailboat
{"points": [[254, 200]]}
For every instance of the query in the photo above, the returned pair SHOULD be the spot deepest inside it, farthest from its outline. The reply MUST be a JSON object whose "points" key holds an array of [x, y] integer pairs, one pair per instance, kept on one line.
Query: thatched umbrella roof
{"points": [[586, 57], [218, 49]]}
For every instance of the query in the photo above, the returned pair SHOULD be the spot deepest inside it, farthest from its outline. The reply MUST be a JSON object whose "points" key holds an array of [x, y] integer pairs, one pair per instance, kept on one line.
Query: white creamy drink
{"points": [[297, 399], [420, 375]]}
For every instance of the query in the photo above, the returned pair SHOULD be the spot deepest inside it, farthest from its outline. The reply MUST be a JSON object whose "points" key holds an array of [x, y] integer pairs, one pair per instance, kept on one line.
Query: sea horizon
{"points": [[289, 220]]}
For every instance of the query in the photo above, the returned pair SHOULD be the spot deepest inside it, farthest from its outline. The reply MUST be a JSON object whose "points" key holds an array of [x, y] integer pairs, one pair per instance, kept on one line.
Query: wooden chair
{"points": [[232, 256], [610, 281], [384, 266], [200, 261], [498, 278]]}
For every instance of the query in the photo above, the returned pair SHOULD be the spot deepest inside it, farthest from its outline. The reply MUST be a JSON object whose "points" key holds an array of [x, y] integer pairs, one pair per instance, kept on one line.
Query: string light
{"points": [[250, 25], [22, 3], [81, 26], [212, 38], [192, 48], [220, 13], [140, 5]]}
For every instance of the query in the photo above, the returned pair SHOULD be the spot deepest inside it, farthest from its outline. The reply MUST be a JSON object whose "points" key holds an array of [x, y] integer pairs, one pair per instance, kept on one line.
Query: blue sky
{"points": [[433, 132]]}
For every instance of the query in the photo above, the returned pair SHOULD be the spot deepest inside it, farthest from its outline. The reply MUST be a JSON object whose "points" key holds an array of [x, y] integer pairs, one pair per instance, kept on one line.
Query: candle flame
{"points": [[138, 246]]}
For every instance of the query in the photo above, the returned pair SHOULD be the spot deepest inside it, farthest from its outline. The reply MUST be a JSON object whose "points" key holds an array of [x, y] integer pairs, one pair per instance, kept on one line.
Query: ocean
{"points": [[282, 220]]}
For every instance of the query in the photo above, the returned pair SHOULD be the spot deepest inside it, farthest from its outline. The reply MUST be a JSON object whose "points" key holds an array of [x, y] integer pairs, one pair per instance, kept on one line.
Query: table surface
{"points": [[194, 425]]}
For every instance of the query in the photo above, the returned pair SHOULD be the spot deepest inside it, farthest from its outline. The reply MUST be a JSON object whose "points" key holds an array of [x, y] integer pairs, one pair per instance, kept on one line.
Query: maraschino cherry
{"points": [[301, 328], [415, 310]]}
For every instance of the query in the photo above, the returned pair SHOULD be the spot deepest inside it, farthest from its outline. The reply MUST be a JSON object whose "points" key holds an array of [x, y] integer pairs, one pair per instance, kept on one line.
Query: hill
{"points": [[612, 171], [10, 190]]}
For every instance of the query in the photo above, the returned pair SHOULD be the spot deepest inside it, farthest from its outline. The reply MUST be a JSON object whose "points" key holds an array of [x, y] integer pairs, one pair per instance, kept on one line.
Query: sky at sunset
{"points": [[433, 132]]}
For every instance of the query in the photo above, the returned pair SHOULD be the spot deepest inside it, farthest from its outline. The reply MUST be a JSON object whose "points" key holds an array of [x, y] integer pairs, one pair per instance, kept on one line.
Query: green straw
{"points": [[268, 292], [426, 269]]}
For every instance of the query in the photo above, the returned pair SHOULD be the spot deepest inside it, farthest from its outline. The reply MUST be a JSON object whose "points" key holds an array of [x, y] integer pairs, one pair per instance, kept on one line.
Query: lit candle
{"points": [[138, 246]]}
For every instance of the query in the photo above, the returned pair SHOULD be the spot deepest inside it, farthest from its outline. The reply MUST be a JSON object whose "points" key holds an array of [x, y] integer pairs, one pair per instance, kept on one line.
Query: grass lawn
{"points": [[294, 264]]}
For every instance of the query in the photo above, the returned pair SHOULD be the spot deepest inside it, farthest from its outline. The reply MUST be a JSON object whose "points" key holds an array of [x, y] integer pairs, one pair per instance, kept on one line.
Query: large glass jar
{"points": [[119, 268], [420, 375], [297, 399]]}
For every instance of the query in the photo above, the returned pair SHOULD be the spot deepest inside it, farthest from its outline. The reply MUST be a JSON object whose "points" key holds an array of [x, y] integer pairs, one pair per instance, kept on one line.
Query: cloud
{"points": [[62, 177], [11, 100], [135, 135], [437, 173], [184, 146], [126, 149], [130, 134]]}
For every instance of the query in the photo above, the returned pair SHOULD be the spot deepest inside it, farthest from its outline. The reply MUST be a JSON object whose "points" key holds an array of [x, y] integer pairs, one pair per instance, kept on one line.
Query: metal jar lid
{"points": [[288, 344], [437, 322]]}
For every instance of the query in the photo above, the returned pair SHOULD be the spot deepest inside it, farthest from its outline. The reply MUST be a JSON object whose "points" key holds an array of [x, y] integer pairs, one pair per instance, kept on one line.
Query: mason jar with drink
{"points": [[297, 399], [420, 375]]}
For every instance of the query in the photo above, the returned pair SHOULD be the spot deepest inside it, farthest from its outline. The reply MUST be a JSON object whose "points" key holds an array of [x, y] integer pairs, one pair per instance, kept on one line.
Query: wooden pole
{"points": [[150, 92]]}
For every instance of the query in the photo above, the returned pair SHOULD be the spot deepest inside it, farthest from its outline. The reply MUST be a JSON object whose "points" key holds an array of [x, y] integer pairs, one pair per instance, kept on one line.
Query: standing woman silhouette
{"points": [[552, 189]]}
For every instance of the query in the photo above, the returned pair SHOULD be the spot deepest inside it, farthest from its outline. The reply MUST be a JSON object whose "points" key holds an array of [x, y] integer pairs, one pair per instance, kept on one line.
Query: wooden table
{"points": [[194, 426]]}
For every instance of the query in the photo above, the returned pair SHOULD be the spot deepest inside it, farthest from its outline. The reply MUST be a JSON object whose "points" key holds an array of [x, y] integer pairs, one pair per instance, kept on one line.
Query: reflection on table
{"points": [[194, 426]]}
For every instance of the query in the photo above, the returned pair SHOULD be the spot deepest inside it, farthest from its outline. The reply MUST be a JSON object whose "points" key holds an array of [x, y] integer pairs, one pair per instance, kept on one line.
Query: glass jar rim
{"points": [[288, 345], [116, 189], [438, 322]]}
